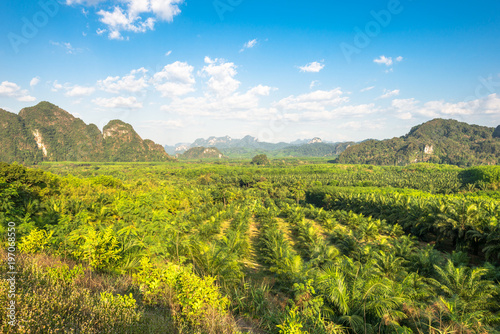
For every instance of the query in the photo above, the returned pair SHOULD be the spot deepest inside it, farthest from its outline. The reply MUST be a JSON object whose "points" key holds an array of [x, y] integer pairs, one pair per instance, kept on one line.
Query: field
{"points": [[229, 247]]}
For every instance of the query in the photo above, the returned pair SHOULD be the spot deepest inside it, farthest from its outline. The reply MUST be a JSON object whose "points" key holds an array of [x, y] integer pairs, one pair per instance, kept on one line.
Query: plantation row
{"points": [[470, 224], [227, 249]]}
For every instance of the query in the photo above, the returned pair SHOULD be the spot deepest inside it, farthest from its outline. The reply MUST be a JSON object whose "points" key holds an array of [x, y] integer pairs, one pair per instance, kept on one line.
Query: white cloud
{"points": [[487, 105], [313, 67], [67, 47], [168, 53], [383, 60], [139, 16], [133, 82], [78, 91], [362, 125], [83, 2], [318, 100], [35, 81], [175, 80], [221, 73], [404, 104], [249, 45], [12, 90], [389, 93], [242, 106], [399, 59], [367, 89], [118, 102], [333, 113], [56, 86], [100, 31], [314, 83], [164, 124]]}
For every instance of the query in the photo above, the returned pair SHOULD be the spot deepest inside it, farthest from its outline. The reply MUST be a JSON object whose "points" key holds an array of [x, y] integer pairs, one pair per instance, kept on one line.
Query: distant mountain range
{"points": [[438, 141], [249, 146], [46, 132]]}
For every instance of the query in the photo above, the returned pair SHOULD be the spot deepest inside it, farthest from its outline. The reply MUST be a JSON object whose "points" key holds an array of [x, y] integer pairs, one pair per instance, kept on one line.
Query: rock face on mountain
{"points": [[46, 132], [438, 141], [202, 153]]}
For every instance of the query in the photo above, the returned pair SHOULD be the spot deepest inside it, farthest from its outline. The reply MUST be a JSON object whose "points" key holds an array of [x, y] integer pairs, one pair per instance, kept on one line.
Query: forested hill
{"points": [[46, 132], [437, 141]]}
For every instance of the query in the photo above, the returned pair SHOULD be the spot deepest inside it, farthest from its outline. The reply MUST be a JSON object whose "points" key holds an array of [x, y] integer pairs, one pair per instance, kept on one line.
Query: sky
{"points": [[178, 70]]}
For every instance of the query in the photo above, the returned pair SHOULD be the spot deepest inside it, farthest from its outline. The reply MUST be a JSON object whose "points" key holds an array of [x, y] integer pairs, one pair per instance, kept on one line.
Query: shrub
{"points": [[35, 241]]}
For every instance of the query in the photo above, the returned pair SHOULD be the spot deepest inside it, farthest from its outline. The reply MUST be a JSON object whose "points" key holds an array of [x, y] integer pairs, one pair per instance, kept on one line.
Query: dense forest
{"points": [[236, 247], [436, 141]]}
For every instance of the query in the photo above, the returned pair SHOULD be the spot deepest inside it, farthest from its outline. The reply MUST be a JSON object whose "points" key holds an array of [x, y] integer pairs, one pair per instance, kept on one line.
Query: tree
{"points": [[260, 159]]}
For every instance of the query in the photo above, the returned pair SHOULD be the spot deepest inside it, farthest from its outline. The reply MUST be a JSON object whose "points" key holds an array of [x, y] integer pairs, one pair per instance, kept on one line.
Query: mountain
{"points": [[202, 153], [122, 143], [16, 141], [46, 132], [249, 146], [437, 141]]}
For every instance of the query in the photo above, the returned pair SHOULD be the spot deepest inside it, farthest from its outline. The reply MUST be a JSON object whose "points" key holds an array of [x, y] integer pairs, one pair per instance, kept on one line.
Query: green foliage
{"points": [[99, 248], [260, 159], [331, 248], [436, 141], [35, 242], [291, 324], [195, 302], [46, 132]]}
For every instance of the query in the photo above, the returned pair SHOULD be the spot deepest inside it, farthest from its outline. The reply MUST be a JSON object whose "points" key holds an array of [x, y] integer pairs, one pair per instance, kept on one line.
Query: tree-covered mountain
{"points": [[46, 132], [437, 141]]}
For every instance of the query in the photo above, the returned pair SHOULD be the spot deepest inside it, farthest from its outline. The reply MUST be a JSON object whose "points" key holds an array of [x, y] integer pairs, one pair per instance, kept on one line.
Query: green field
{"points": [[297, 246]]}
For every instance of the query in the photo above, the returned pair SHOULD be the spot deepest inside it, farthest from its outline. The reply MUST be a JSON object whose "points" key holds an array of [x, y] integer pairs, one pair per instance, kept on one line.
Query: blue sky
{"points": [[178, 70]]}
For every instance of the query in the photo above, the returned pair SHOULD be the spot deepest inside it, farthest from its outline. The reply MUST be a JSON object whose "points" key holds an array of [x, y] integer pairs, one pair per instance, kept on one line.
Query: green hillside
{"points": [[46, 132], [437, 141]]}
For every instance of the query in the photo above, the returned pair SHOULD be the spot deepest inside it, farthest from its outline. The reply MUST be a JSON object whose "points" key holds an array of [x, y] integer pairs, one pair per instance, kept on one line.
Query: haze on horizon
{"points": [[178, 70]]}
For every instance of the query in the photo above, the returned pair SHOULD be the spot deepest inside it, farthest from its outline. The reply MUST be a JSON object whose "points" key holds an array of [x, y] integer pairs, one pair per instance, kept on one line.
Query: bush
{"points": [[35, 242]]}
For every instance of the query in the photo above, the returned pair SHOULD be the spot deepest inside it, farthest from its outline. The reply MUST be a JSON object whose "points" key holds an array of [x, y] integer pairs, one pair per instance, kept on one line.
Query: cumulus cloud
{"points": [[175, 80], [118, 102], [133, 82], [138, 16], [78, 91], [318, 100], [221, 74], [313, 67], [387, 61], [249, 45], [389, 93], [242, 106], [12, 90], [383, 60], [487, 105], [35, 81]]}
